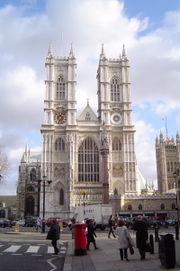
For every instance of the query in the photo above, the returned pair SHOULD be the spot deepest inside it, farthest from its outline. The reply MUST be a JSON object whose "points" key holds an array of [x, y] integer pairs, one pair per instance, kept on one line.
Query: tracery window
{"points": [[88, 116], [33, 175], [29, 206], [60, 145], [116, 144], [30, 188], [60, 88], [162, 206], [88, 161], [61, 197], [115, 89]]}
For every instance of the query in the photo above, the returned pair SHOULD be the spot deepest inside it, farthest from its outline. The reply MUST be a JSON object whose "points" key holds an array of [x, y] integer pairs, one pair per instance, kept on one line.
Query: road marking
{"points": [[33, 249], [12, 249], [50, 250], [51, 264]]}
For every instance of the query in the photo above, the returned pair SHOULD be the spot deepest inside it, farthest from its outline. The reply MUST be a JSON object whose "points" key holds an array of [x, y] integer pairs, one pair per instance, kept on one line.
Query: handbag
{"points": [[49, 235], [148, 247], [131, 249]]}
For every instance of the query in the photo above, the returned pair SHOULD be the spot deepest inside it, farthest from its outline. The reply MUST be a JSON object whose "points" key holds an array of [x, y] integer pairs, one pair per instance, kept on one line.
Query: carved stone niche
{"points": [[60, 171], [117, 170]]}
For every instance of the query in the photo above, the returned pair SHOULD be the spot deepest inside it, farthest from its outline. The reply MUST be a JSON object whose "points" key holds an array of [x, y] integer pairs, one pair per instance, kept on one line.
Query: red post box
{"points": [[79, 239]]}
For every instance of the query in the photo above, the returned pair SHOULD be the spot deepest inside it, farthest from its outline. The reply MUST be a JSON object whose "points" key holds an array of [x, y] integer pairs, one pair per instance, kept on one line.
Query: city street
{"points": [[29, 251]]}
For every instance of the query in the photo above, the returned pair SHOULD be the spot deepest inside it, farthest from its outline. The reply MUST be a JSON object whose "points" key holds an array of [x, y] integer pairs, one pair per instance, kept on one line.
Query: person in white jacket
{"points": [[124, 239]]}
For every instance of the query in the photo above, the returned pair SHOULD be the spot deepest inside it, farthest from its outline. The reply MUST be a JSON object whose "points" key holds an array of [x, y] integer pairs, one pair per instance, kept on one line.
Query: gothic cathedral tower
{"points": [[89, 157], [114, 111]]}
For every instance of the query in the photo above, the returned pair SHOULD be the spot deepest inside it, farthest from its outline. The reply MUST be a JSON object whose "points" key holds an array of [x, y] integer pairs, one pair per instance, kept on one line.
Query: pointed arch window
{"points": [[29, 206], [33, 175], [60, 88], [116, 144], [60, 145], [140, 207], [88, 161], [61, 197], [115, 89], [162, 206]]}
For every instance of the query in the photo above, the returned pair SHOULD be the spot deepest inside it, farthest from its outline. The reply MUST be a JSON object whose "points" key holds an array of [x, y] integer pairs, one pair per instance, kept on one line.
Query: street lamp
{"points": [[44, 198], [84, 193]]}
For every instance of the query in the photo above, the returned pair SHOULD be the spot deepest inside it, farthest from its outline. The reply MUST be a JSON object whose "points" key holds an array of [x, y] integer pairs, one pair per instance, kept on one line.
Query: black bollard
{"points": [[151, 240], [156, 233], [177, 231]]}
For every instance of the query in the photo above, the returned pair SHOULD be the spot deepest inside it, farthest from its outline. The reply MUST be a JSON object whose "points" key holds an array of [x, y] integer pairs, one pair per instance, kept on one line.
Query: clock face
{"points": [[116, 118], [59, 118]]}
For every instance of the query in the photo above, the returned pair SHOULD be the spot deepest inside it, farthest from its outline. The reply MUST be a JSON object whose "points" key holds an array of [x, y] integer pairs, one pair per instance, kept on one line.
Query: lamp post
{"points": [[176, 175], [84, 193], [43, 203]]}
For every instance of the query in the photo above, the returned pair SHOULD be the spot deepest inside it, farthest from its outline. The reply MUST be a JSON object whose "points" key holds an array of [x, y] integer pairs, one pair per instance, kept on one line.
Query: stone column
{"points": [[105, 174]]}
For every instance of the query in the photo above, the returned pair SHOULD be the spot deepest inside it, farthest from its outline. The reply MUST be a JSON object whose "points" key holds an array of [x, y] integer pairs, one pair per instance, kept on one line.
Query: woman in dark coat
{"points": [[141, 236], [54, 235], [91, 234]]}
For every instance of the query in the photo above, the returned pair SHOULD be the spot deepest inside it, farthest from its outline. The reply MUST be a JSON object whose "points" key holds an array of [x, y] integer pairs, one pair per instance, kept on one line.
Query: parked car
{"points": [[30, 221], [5, 222], [21, 222], [49, 221]]}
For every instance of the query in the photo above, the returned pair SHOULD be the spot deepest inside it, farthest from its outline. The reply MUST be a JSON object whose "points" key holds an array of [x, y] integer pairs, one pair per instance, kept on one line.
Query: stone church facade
{"points": [[86, 158], [82, 154]]}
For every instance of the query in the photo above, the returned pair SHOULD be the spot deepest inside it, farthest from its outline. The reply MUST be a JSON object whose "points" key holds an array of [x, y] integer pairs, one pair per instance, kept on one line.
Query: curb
{"points": [[68, 259]]}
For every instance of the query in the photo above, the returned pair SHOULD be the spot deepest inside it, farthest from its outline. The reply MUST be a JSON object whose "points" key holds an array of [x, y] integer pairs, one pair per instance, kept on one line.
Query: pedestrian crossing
{"points": [[31, 249]]}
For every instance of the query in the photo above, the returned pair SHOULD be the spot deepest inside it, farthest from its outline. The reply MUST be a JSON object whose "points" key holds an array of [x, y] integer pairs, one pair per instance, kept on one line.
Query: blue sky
{"points": [[150, 31]]}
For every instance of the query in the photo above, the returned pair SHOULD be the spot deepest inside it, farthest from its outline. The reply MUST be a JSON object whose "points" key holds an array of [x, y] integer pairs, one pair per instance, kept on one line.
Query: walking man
{"points": [[111, 223], [54, 235], [141, 236], [91, 234]]}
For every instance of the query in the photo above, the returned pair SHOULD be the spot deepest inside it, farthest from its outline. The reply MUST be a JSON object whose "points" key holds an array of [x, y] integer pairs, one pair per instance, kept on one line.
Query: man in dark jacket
{"points": [[54, 235], [141, 236], [90, 234]]}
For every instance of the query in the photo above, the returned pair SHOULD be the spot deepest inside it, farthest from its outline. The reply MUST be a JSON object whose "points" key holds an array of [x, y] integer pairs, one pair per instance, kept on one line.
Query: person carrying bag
{"points": [[124, 240]]}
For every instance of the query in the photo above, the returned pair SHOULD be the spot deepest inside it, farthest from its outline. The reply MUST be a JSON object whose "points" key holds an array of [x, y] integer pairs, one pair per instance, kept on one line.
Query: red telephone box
{"points": [[79, 239]]}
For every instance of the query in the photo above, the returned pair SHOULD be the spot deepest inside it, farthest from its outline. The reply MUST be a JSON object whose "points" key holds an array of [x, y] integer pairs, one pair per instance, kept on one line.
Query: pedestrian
{"points": [[111, 223], [141, 236], [124, 239], [54, 235], [90, 234], [38, 223]]}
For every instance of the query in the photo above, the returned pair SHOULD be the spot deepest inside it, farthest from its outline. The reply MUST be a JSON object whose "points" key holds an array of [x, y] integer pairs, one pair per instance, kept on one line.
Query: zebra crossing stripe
{"points": [[12, 248], [50, 250], [33, 249]]}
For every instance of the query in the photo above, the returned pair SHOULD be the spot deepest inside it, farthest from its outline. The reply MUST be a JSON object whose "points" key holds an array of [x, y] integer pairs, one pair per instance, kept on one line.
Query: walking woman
{"points": [[124, 240]]}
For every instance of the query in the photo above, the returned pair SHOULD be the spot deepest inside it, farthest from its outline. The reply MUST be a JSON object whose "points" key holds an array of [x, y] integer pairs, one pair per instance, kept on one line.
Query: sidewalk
{"points": [[107, 258]]}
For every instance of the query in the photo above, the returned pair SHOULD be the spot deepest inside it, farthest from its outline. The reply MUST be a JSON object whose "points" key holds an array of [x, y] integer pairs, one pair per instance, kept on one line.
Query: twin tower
{"points": [[89, 158]]}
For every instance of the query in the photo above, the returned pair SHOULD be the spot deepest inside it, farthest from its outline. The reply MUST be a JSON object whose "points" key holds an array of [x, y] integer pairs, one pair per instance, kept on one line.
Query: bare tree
{"points": [[3, 164]]}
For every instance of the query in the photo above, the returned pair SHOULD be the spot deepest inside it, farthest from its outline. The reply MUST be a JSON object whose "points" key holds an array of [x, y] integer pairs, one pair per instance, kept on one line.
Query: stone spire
{"points": [[71, 54], [49, 55], [124, 56], [102, 55]]}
